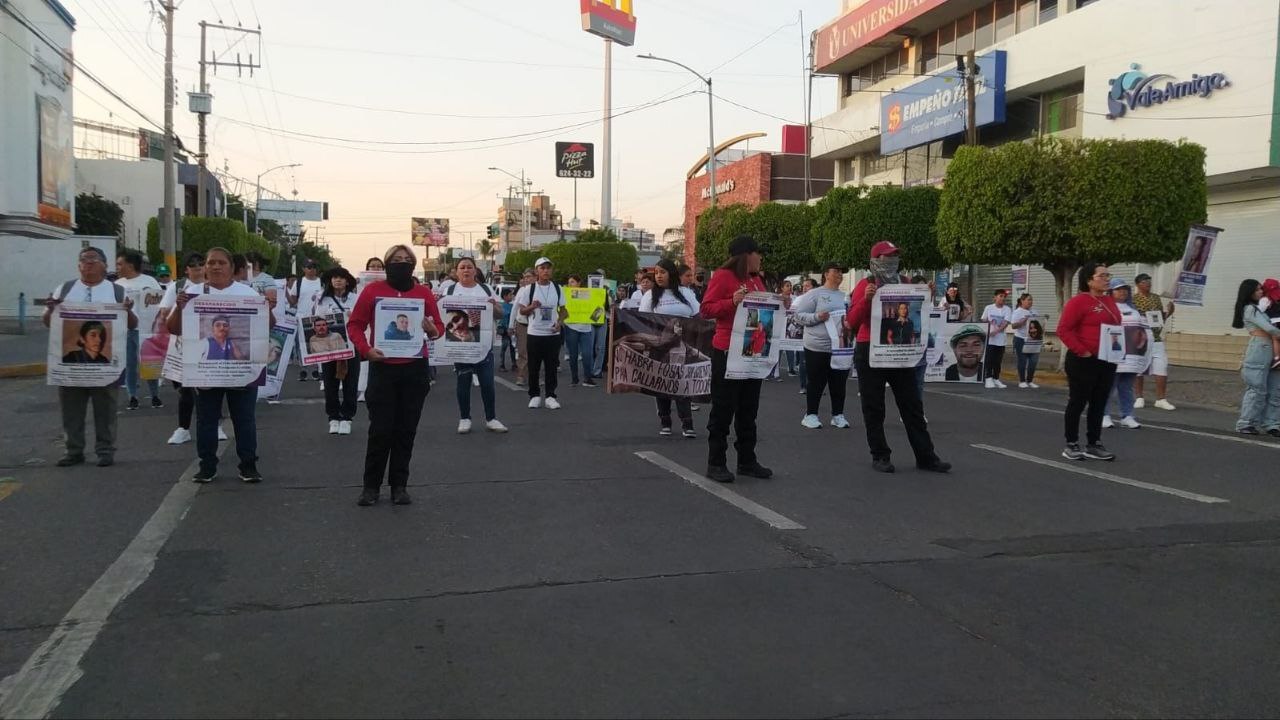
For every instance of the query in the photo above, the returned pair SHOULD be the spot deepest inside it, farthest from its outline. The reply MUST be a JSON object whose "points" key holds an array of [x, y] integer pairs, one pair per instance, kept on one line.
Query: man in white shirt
{"points": [[998, 316], [542, 304], [520, 324], [303, 300], [145, 294]]}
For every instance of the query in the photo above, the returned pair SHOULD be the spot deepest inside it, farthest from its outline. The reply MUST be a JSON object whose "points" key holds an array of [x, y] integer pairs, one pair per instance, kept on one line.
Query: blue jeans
{"points": [[1260, 405], [791, 360], [508, 348], [241, 404], [1027, 362], [1124, 393], [580, 344], [133, 359], [483, 370], [600, 337]]}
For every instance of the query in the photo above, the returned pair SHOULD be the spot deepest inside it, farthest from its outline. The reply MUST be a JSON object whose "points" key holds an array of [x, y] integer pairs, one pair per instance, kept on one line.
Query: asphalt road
{"points": [[554, 572]]}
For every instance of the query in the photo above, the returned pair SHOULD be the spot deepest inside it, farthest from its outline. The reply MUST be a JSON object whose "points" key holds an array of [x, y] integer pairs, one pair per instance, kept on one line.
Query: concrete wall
{"points": [[137, 186]]}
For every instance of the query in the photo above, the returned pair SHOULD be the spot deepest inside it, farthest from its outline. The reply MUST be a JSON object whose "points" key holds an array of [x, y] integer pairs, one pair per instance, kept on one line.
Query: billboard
{"points": [[55, 176], [575, 160], [432, 232], [610, 19], [865, 24], [934, 108], [292, 212]]}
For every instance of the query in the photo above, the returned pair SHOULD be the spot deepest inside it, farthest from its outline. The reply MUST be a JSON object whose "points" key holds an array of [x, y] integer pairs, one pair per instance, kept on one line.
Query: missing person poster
{"points": [[842, 344], [1139, 342], [1111, 344], [87, 343], [754, 347], [1034, 341], [468, 331], [897, 325], [955, 349], [584, 305], [1193, 273], [660, 354], [793, 335], [397, 327], [225, 341], [153, 343], [279, 352], [324, 338]]}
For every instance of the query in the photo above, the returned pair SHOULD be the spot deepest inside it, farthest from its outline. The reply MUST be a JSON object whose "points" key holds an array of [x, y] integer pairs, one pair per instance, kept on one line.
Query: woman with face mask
{"points": [[398, 387]]}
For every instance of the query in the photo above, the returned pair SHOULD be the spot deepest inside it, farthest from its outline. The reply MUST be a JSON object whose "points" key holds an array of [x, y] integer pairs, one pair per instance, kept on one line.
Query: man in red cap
{"points": [[871, 381]]}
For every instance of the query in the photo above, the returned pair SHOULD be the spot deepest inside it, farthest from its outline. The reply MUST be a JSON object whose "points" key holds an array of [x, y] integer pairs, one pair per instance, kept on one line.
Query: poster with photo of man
{"points": [[325, 338], [397, 327], [87, 344], [225, 341], [956, 351]]}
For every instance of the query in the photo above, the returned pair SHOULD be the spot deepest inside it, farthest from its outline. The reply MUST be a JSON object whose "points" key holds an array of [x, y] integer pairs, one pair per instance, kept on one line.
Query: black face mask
{"points": [[400, 275]]}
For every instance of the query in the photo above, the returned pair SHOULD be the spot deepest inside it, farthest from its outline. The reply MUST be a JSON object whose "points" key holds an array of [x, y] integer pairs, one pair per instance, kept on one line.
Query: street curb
{"points": [[23, 370]]}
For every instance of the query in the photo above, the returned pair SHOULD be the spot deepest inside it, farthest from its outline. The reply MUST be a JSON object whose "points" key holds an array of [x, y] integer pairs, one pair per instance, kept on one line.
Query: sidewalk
{"points": [[1218, 389], [24, 355]]}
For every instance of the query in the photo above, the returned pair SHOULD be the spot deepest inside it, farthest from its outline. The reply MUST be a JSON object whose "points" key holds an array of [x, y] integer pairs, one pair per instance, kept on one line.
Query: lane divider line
{"points": [[750, 507]]}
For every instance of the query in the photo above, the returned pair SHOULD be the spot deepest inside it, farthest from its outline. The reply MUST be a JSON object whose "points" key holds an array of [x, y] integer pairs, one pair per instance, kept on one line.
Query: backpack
{"points": [[66, 288], [553, 284]]}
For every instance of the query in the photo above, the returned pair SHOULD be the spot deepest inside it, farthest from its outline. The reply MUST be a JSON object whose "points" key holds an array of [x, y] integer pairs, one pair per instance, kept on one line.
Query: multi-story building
{"points": [[1204, 72], [37, 179], [543, 218]]}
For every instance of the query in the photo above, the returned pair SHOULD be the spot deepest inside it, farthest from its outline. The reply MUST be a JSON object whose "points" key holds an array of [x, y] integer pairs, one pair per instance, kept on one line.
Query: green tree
{"points": [[848, 221], [782, 230], [96, 215], [619, 260], [201, 233], [674, 253], [597, 235], [485, 248], [716, 228], [238, 210]]}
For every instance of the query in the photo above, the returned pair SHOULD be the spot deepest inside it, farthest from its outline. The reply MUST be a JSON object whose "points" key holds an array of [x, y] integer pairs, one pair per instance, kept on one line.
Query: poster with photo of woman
{"points": [[87, 344]]}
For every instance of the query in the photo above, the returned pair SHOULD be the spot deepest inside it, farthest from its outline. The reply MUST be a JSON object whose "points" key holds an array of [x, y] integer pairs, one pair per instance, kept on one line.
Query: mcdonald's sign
{"points": [[610, 19]]}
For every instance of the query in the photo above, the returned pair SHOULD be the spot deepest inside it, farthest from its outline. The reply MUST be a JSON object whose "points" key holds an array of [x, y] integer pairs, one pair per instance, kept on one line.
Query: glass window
{"points": [[1005, 19], [1026, 15], [866, 75], [917, 165], [964, 34], [1048, 10], [904, 63], [946, 44], [1082, 3], [929, 52], [984, 34], [1062, 110]]}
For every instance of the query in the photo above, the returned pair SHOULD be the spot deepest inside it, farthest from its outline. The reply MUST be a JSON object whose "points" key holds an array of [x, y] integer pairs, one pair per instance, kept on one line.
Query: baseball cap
{"points": [[999, 291], [882, 248], [1117, 283], [834, 266], [1271, 287], [162, 269], [967, 331], [544, 260]]}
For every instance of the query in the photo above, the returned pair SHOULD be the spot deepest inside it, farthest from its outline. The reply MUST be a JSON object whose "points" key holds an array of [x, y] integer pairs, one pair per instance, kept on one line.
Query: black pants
{"points": [[186, 405], [684, 408], [242, 405], [906, 392], [344, 407], [394, 398], [544, 354], [994, 360], [733, 402], [1089, 382], [820, 375]]}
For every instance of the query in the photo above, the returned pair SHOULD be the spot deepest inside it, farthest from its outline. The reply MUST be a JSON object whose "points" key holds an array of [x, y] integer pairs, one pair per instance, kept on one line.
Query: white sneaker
{"points": [[553, 404], [991, 384], [360, 397], [1023, 385], [803, 391], [464, 426], [1106, 421], [475, 381], [333, 427], [535, 402], [495, 425], [1033, 386], [1165, 404], [181, 436], [1130, 422], [1139, 404], [222, 435], [344, 427], [811, 421], [838, 421], [1000, 385]]}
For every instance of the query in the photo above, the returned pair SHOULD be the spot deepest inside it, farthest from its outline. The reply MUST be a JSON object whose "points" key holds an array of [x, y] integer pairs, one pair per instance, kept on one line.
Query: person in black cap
{"points": [[733, 402]]}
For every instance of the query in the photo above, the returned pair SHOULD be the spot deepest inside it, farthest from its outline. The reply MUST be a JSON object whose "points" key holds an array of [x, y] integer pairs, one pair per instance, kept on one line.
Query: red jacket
{"points": [[1082, 319], [717, 303], [362, 315]]}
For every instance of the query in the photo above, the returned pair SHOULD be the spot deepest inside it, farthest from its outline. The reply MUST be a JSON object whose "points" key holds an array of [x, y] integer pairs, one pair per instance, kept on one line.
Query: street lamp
{"points": [[711, 128], [258, 184]]}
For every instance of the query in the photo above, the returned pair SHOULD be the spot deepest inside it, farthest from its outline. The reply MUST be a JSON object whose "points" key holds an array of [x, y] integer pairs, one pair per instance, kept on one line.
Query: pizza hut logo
{"points": [[575, 160]]}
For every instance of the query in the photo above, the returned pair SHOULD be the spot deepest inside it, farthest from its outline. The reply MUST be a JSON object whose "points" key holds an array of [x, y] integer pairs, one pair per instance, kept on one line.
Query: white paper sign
{"points": [[225, 341], [468, 331], [1111, 344], [397, 327], [793, 336], [898, 336], [956, 350], [842, 344], [87, 343], [278, 355], [324, 338], [758, 327]]}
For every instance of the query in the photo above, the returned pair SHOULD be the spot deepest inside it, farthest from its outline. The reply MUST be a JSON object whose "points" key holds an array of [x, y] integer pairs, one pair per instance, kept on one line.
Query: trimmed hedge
{"points": [[618, 259], [201, 233]]}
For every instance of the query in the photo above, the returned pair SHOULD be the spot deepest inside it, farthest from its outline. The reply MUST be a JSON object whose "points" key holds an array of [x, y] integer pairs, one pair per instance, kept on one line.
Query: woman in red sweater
{"points": [[732, 401], [398, 386], [1089, 378]]}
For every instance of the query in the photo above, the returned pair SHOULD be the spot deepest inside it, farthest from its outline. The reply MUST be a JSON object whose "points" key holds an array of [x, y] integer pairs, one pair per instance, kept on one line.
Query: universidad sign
{"points": [[575, 160], [935, 108], [1135, 89], [863, 25]]}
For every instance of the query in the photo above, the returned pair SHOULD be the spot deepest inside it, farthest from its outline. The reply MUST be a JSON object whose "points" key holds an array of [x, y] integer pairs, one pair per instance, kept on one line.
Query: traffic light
{"points": [[493, 231]]}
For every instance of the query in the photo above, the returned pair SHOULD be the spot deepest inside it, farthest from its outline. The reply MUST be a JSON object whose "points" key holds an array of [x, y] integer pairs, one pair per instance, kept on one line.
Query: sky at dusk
{"points": [[398, 109]]}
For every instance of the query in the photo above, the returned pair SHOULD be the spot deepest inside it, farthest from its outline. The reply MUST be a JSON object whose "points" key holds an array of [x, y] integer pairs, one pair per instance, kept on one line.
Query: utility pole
{"points": [[606, 189], [506, 223], [969, 69], [168, 221], [202, 203], [201, 102]]}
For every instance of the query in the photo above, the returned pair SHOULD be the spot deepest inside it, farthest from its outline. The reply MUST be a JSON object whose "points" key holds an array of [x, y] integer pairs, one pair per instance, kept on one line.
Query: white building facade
{"points": [[1199, 71], [37, 176]]}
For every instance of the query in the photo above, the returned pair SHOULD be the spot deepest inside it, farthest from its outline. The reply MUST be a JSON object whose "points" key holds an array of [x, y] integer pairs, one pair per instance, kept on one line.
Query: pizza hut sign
{"points": [[575, 160]]}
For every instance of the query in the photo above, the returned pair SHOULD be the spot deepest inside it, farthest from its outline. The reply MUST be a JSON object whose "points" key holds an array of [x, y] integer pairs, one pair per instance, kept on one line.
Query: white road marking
{"points": [[36, 689], [750, 507], [507, 384], [1077, 469], [1185, 431]]}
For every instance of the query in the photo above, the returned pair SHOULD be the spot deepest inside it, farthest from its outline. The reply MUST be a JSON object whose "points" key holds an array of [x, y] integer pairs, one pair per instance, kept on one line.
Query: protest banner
{"points": [[397, 327], [660, 354], [1139, 342], [324, 338], [897, 326], [842, 344], [754, 347], [279, 352], [955, 350], [146, 305], [225, 341], [584, 305], [793, 335], [468, 331], [1193, 271], [87, 343]]}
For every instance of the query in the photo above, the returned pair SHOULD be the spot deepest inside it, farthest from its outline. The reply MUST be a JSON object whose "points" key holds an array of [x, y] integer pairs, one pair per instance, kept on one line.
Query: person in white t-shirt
{"points": [[643, 286], [998, 315], [194, 275], [668, 297], [481, 373], [542, 304], [306, 293], [1026, 325], [144, 292]]}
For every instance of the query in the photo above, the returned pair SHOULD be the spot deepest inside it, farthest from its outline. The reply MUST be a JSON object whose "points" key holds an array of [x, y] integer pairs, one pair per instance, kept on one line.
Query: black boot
{"points": [[368, 496], [400, 496], [719, 473]]}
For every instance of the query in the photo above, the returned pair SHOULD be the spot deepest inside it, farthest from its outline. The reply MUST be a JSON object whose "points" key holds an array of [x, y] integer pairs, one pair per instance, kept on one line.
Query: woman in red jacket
{"points": [[732, 401], [398, 386], [1089, 378]]}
